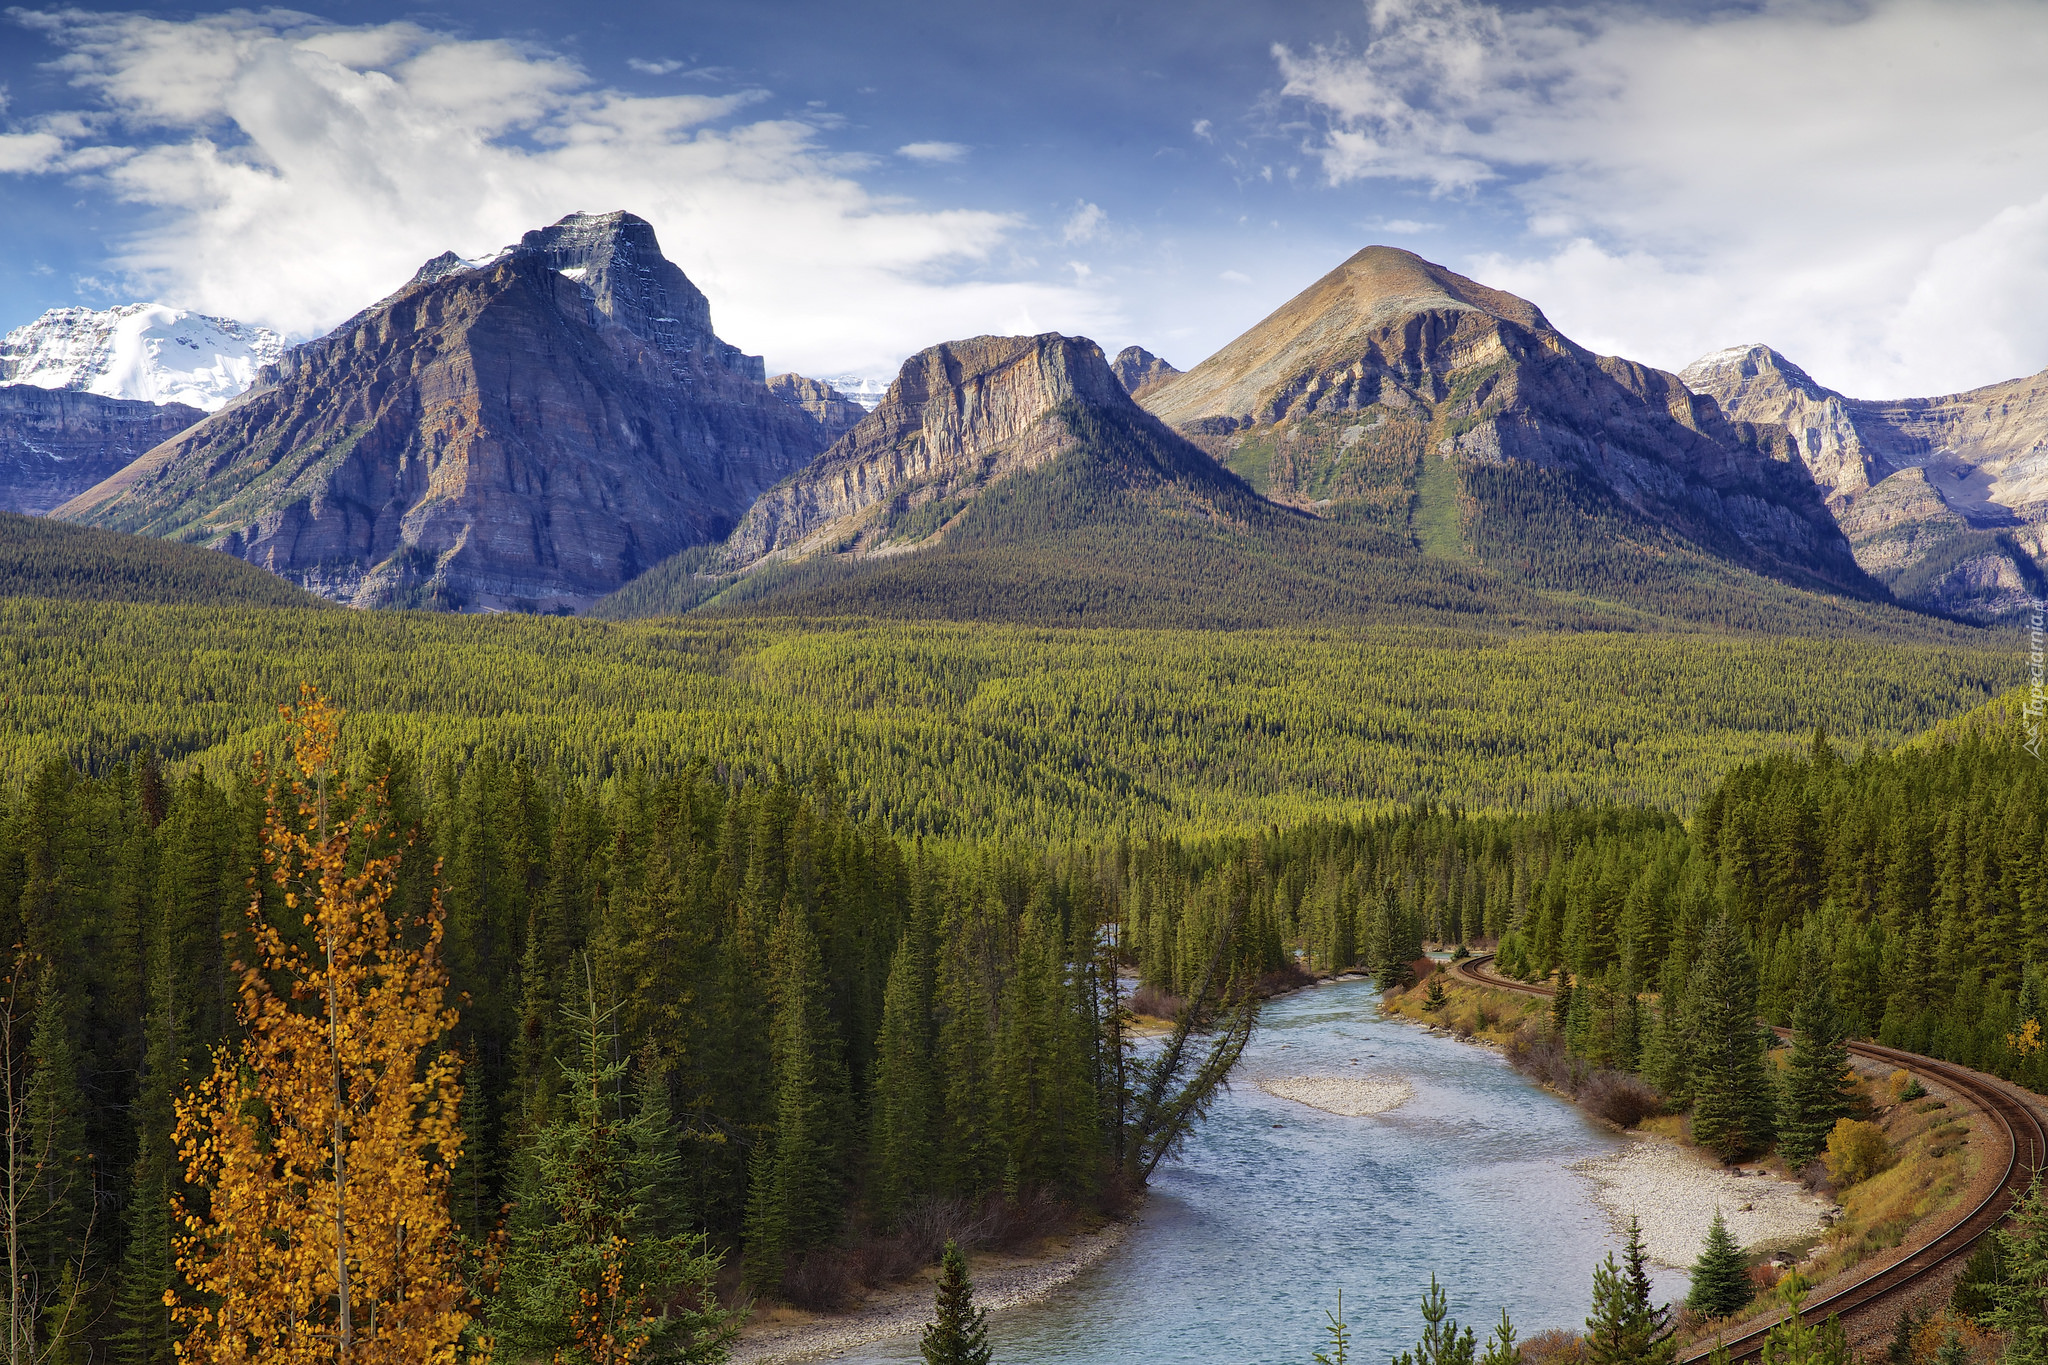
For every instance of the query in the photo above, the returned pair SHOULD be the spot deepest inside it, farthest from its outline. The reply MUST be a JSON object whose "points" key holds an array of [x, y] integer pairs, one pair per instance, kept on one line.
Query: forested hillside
{"points": [[968, 731], [53, 559]]}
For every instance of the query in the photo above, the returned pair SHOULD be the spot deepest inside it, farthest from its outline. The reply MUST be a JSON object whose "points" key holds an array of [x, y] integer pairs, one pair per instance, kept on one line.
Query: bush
{"points": [[1157, 1003], [1856, 1152], [1621, 1099]]}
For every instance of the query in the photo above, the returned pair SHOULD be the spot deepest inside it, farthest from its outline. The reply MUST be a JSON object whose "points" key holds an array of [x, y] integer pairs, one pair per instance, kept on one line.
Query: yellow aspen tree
{"points": [[320, 1149]]}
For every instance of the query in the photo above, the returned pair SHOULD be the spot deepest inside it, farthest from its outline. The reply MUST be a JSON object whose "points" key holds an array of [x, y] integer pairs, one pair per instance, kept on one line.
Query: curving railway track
{"points": [[2016, 1123]]}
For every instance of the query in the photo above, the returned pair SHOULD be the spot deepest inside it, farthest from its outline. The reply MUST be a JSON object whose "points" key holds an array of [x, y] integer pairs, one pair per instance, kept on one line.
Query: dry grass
{"points": [[1469, 1011]]}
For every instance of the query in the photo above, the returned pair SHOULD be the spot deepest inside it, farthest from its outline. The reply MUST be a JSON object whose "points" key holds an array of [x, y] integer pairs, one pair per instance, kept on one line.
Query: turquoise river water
{"points": [[1274, 1207]]}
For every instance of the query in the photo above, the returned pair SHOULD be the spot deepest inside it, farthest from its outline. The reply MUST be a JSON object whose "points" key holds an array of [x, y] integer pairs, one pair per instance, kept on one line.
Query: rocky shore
{"points": [[1674, 1191], [1000, 1281]]}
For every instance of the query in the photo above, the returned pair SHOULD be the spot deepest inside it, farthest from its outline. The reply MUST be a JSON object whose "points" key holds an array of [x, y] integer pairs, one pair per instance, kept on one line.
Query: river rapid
{"points": [[1274, 1206]]}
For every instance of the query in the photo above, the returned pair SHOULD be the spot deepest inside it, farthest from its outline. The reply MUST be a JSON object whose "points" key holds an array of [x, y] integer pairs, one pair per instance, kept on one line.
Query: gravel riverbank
{"points": [[1674, 1192], [1000, 1282]]}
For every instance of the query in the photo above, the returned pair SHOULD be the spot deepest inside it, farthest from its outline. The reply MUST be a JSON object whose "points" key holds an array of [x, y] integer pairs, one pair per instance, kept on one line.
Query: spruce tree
{"points": [[591, 1275], [1818, 1076], [794, 1194], [1720, 1278], [1733, 1096], [143, 1333], [958, 1332], [904, 1103], [2020, 1299], [1443, 1342], [1625, 1329]]}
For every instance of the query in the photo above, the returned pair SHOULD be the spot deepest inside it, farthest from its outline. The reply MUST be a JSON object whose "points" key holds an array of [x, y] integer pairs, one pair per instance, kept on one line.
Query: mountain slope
{"points": [[149, 352], [1398, 393], [56, 443], [528, 433], [1013, 479], [1135, 367], [44, 558], [1945, 499]]}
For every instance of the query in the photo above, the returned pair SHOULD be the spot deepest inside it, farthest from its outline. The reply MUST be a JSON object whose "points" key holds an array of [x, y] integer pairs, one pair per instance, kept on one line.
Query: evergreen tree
{"points": [[958, 1332], [1818, 1077], [1625, 1328], [1733, 1097], [1340, 1336], [1720, 1277], [1443, 1342], [1048, 1105], [143, 1334], [591, 1276], [794, 1194], [904, 1105], [2020, 1299]]}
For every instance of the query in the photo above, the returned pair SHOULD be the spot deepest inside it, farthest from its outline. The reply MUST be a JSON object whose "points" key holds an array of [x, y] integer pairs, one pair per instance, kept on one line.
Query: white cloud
{"points": [[1085, 223], [1863, 185], [667, 66], [1234, 277], [294, 170], [933, 151], [1204, 130]]}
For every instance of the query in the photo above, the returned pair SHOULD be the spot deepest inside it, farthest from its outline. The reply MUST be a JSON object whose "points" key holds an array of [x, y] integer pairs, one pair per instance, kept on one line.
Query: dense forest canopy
{"points": [[963, 731]]}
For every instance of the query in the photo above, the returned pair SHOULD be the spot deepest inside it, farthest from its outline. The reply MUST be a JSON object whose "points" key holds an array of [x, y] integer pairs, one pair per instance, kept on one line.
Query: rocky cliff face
{"points": [[833, 411], [1756, 384], [1397, 390], [149, 352], [527, 433], [960, 416], [56, 443], [1135, 368], [1945, 499]]}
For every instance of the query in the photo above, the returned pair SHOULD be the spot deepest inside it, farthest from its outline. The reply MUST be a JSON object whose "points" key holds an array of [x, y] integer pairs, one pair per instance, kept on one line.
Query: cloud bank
{"points": [[1861, 183], [292, 170]]}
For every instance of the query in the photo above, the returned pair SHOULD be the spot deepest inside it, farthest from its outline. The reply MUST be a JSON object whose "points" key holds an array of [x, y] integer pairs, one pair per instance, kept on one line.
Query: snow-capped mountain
{"points": [[147, 351], [866, 391]]}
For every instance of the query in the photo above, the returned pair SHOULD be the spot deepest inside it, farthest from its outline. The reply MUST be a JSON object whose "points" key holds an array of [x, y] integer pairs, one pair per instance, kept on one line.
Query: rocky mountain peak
{"points": [[527, 432], [1135, 368], [1758, 385], [834, 412], [960, 416]]}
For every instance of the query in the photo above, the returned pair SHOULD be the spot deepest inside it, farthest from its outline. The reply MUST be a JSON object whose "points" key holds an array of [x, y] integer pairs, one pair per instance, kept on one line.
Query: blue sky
{"points": [[1863, 184]]}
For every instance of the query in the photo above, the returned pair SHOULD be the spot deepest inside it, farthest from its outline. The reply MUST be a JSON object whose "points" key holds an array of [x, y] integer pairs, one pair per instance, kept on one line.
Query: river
{"points": [[1273, 1207]]}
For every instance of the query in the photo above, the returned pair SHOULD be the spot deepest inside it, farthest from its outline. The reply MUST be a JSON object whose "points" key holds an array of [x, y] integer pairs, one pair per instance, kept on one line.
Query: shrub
{"points": [[1620, 1098], [1155, 1002], [1856, 1152]]}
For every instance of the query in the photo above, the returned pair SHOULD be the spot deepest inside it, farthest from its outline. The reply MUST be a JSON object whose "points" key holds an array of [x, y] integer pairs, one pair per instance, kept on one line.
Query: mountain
{"points": [[1135, 367], [524, 433], [56, 443], [1945, 499], [1399, 394], [149, 352], [1014, 479], [833, 411], [44, 558]]}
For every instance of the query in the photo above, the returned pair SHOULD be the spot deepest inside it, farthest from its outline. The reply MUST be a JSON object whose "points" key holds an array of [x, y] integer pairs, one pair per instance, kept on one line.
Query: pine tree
{"points": [[1443, 1342], [1733, 1096], [1340, 1336], [2020, 1299], [794, 1191], [1625, 1329], [903, 1104], [958, 1332], [144, 1333], [1047, 1103], [1818, 1075], [1720, 1278], [592, 1276]]}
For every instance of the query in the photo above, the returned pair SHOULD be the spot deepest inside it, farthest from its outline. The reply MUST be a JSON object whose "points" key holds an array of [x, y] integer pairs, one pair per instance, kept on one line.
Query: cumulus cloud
{"points": [[1863, 185], [933, 151], [294, 170]]}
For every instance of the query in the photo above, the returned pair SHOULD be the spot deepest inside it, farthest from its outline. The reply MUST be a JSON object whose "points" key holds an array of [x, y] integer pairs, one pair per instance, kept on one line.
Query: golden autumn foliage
{"points": [[323, 1144]]}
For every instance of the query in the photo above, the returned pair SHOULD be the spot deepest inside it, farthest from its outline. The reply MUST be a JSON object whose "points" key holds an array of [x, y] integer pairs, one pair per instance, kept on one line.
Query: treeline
{"points": [[834, 1032], [968, 732]]}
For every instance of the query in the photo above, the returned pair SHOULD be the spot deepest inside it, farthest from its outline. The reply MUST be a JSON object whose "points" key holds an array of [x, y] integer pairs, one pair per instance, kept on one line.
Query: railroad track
{"points": [[2026, 1148]]}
